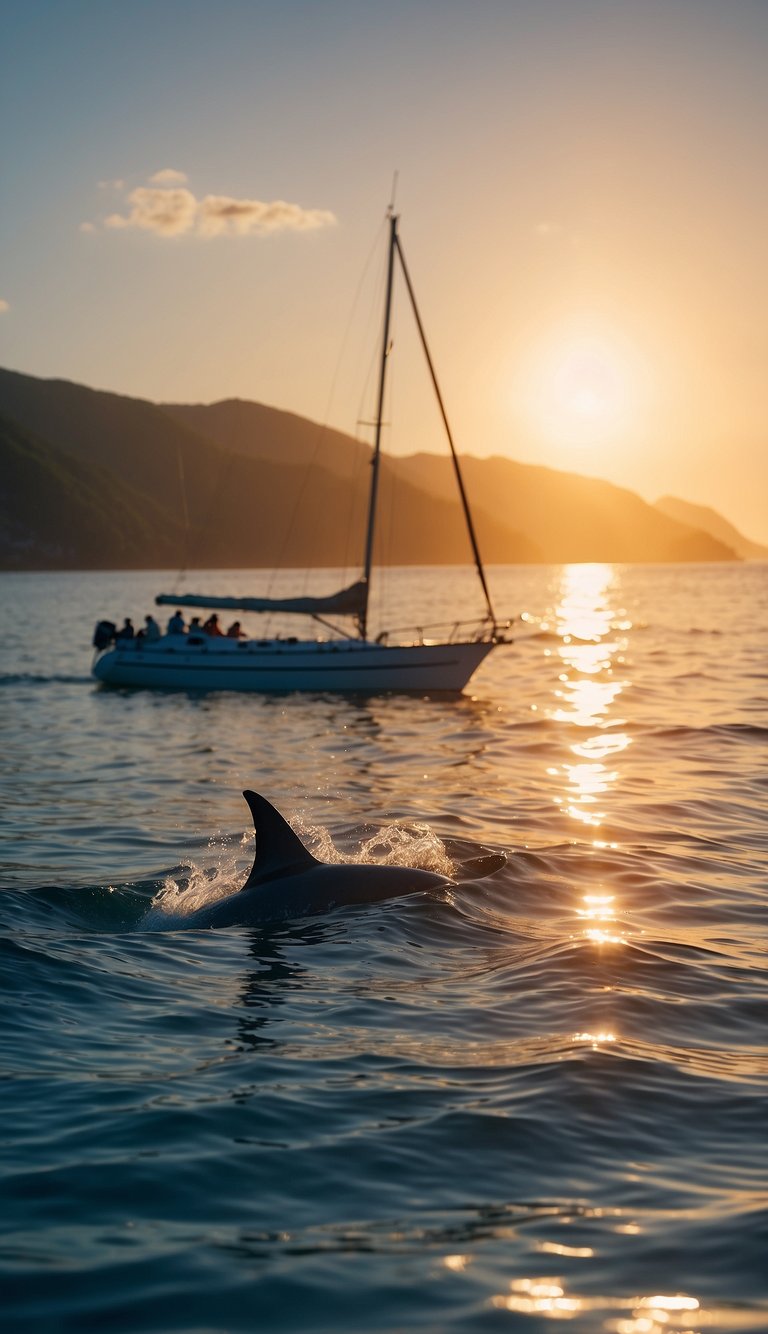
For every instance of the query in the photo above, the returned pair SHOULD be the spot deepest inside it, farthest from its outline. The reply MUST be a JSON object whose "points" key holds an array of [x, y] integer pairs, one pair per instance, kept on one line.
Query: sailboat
{"points": [[345, 661]]}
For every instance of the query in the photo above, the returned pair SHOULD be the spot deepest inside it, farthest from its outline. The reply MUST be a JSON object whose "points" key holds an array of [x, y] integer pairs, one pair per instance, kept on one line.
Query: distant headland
{"points": [[94, 480]]}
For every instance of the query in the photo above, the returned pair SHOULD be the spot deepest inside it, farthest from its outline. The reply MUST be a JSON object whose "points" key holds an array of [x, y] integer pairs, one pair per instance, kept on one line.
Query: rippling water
{"points": [[539, 1096]]}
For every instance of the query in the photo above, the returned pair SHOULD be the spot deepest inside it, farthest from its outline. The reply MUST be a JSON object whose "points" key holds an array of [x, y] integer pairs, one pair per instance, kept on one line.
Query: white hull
{"points": [[173, 663]]}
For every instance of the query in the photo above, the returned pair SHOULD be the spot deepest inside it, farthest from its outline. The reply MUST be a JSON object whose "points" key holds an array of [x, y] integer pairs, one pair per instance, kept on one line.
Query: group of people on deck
{"points": [[151, 631], [211, 627]]}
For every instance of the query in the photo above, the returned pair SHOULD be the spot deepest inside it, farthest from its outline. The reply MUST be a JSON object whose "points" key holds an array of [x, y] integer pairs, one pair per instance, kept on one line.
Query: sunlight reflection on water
{"points": [[586, 611], [550, 1299], [544, 1094]]}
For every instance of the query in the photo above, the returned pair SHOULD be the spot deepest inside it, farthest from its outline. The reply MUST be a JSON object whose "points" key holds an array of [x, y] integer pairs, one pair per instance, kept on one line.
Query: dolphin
{"points": [[286, 881]]}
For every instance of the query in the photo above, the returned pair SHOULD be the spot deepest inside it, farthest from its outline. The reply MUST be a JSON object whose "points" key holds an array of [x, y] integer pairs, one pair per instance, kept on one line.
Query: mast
{"points": [[454, 455], [375, 461]]}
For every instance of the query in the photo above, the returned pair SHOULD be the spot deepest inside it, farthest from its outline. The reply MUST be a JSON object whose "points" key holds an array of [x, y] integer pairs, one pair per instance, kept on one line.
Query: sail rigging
{"points": [[348, 602], [441, 405], [353, 601], [349, 661]]}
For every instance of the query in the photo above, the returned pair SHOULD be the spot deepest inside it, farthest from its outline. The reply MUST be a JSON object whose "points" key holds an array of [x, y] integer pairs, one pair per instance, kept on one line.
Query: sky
{"points": [[194, 198]]}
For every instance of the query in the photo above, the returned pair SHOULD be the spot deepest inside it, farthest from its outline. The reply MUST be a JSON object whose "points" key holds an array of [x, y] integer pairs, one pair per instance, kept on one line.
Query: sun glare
{"points": [[581, 388]]}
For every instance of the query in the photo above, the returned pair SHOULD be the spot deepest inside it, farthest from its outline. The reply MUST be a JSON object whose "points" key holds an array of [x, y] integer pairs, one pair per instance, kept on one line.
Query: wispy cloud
{"points": [[167, 211], [218, 214], [4, 306], [169, 176]]}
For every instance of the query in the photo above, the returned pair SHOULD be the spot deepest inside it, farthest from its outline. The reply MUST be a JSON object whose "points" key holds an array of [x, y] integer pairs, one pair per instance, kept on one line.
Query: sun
{"points": [[587, 401], [586, 384], [579, 388]]}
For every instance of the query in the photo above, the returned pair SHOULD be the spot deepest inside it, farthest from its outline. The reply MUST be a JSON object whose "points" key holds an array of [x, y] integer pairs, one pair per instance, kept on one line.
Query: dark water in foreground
{"points": [[539, 1097]]}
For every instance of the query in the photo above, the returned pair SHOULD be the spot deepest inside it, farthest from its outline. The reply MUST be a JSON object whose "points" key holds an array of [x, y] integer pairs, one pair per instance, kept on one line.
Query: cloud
{"points": [[87, 227], [4, 306], [165, 212], [169, 176], [218, 214], [175, 212]]}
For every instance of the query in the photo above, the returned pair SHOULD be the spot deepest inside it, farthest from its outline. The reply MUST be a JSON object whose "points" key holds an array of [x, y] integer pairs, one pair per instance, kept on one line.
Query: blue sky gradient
{"points": [[584, 198]]}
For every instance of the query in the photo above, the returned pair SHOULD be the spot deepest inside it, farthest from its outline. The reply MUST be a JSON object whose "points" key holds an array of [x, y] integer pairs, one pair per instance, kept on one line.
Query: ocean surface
{"points": [[539, 1097]]}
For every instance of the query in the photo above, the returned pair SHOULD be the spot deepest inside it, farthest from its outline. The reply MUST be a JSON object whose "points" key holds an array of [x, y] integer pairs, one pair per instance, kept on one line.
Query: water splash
{"points": [[195, 886], [394, 845]]}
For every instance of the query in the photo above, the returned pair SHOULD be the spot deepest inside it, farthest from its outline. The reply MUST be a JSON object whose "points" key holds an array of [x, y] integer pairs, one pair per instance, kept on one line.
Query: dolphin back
{"points": [[278, 850]]}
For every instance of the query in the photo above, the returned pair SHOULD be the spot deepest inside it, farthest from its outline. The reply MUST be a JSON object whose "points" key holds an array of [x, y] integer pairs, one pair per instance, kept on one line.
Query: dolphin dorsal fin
{"points": [[278, 850]]}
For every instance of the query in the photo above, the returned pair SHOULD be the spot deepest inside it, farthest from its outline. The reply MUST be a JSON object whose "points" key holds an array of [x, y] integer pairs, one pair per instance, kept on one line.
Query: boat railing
{"points": [[479, 629]]}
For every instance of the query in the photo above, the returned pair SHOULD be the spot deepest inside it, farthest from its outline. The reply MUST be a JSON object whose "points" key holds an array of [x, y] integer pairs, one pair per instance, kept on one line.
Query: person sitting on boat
{"points": [[212, 627], [176, 624], [235, 632], [126, 630], [151, 628]]}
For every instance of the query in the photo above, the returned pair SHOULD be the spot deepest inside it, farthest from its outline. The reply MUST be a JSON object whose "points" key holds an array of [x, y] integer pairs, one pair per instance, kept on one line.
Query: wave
{"points": [[735, 730], [169, 901], [43, 679]]}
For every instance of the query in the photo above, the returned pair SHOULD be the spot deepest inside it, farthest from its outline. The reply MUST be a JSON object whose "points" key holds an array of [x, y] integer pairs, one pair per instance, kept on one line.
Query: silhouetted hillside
{"points": [[270, 434], [568, 516], [709, 521], [412, 521], [216, 507], [133, 439], [573, 518], [58, 513], [237, 484]]}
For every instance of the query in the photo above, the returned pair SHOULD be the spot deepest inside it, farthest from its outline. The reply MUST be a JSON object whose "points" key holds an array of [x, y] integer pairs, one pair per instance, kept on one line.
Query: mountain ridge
{"points": [[710, 521], [239, 484]]}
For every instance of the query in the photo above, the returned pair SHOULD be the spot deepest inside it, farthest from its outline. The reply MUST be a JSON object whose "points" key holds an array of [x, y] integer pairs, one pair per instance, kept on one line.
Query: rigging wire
{"points": [[322, 428], [454, 455], [365, 415], [185, 511], [204, 524], [387, 520]]}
